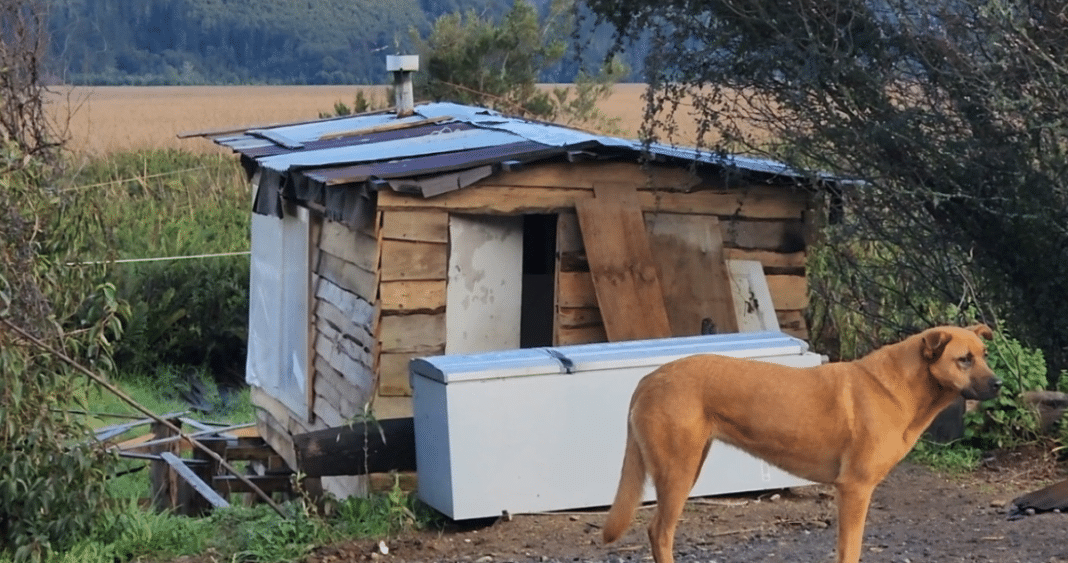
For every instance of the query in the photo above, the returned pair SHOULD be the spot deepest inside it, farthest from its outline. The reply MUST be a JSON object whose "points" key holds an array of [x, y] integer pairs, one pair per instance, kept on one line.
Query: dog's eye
{"points": [[966, 361]]}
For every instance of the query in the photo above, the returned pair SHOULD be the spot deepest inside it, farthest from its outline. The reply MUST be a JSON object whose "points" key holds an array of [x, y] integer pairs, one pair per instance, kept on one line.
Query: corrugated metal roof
{"points": [[357, 151]]}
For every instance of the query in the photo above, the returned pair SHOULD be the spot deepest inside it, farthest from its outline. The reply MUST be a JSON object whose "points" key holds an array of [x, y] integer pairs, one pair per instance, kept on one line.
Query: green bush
{"points": [[1005, 421], [192, 313]]}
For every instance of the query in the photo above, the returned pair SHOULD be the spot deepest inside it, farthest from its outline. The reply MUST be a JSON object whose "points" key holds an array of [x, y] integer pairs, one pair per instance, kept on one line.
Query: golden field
{"points": [[102, 120]]}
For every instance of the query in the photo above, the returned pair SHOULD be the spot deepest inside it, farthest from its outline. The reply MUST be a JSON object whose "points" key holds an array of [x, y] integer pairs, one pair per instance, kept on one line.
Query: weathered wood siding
{"points": [[345, 312], [412, 291]]}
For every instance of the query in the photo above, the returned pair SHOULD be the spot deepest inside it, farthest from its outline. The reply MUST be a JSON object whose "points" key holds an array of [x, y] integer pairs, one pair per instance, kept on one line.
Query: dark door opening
{"points": [[539, 278]]}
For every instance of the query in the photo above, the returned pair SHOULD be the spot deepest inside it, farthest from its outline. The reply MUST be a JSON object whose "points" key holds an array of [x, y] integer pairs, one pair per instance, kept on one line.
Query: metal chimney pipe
{"points": [[402, 67]]}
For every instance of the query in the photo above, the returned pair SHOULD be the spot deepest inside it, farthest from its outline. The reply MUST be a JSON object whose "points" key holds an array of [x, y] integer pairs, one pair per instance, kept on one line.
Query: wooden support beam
{"points": [[357, 449], [196, 482]]}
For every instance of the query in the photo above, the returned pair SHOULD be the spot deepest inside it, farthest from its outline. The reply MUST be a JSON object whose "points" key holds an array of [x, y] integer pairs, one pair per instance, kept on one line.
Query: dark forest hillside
{"points": [[152, 42]]}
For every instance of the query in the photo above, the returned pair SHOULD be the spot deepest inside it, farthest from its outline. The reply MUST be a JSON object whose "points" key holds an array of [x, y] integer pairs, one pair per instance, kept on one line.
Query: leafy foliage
{"points": [[157, 204], [949, 113], [1005, 421], [472, 59]]}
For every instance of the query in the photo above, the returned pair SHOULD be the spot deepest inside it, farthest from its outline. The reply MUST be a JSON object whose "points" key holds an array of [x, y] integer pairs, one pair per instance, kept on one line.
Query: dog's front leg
{"points": [[853, 501]]}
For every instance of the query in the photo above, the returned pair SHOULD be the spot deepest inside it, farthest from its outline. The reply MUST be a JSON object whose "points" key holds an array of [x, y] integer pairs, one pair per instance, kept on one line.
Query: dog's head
{"points": [[956, 358]]}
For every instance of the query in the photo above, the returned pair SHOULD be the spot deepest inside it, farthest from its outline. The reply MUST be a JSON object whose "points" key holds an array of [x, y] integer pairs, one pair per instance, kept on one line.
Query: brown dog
{"points": [[844, 423]]}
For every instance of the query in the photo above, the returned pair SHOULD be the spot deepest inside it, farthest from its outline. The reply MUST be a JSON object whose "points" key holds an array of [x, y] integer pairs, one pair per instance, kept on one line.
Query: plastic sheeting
{"points": [[278, 308]]}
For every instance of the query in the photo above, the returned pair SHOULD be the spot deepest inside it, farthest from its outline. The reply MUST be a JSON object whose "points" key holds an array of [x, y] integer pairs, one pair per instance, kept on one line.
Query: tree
{"points": [[473, 60], [950, 115], [52, 474]]}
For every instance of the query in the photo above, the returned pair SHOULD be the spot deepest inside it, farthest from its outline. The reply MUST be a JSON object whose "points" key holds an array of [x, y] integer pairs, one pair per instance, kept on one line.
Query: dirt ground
{"points": [[916, 515]]}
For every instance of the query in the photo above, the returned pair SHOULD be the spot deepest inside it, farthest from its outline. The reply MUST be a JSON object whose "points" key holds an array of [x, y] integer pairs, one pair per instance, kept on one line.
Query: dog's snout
{"points": [[995, 385]]}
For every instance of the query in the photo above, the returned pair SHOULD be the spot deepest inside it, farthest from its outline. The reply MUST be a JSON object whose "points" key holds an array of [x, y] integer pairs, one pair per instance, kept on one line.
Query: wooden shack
{"points": [[378, 238]]}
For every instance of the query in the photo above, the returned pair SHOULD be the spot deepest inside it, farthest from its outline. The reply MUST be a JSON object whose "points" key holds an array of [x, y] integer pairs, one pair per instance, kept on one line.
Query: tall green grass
{"points": [[163, 207]]}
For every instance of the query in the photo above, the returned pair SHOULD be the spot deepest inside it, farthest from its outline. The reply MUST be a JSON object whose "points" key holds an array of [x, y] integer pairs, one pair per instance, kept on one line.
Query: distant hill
{"points": [[173, 42]]}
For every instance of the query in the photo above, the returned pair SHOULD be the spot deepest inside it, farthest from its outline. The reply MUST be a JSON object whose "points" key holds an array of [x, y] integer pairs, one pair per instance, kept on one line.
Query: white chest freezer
{"points": [[544, 429]]}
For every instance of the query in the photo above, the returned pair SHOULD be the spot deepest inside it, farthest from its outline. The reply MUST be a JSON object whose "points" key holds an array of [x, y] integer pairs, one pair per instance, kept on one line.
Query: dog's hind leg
{"points": [[674, 472]]}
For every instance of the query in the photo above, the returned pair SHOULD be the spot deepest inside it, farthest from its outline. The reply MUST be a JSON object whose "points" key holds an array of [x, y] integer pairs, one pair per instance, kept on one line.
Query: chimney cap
{"points": [[408, 63]]}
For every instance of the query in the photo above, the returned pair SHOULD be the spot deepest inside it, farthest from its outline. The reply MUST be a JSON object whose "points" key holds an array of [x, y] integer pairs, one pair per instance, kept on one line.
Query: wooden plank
{"points": [[568, 234], [575, 289], [688, 250], [344, 396], [150, 440], [406, 260], [338, 359], [199, 485], [393, 380], [315, 231], [327, 313], [788, 292], [392, 126], [412, 333], [586, 174], [793, 323], [491, 200], [328, 412], [753, 303], [511, 200], [163, 486], [416, 225], [427, 296], [583, 335], [578, 317], [351, 246], [347, 344], [624, 272], [779, 236], [770, 260], [354, 385], [348, 276], [273, 433], [357, 449], [355, 308]]}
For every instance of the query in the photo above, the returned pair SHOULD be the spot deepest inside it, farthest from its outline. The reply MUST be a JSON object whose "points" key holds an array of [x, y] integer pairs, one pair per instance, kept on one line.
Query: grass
{"points": [[243, 534], [951, 459]]}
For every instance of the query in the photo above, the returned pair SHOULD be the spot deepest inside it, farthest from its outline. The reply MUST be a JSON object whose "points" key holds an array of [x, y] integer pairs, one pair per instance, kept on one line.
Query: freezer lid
{"points": [[600, 356]]}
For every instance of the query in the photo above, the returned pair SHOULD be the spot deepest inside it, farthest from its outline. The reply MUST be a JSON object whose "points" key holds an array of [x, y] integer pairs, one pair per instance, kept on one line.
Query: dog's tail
{"points": [[629, 493]]}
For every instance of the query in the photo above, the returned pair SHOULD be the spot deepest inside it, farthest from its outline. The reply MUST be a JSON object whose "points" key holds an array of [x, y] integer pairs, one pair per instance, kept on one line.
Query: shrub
{"points": [[1005, 421]]}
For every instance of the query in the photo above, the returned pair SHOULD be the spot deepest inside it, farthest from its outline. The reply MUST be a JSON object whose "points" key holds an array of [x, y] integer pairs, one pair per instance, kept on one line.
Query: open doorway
{"points": [[539, 265]]}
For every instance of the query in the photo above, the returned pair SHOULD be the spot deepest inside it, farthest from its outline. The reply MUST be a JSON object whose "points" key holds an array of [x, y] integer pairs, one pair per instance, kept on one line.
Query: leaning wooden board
{"points": [[625, 276]]}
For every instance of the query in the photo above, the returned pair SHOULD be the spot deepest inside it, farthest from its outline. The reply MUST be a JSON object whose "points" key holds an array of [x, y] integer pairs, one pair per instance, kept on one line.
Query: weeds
{"points": [[954, 459]]}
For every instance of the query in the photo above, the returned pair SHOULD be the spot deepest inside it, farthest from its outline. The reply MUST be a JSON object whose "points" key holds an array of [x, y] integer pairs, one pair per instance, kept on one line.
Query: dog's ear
{"points": [[983, 331], [934, 343]]}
